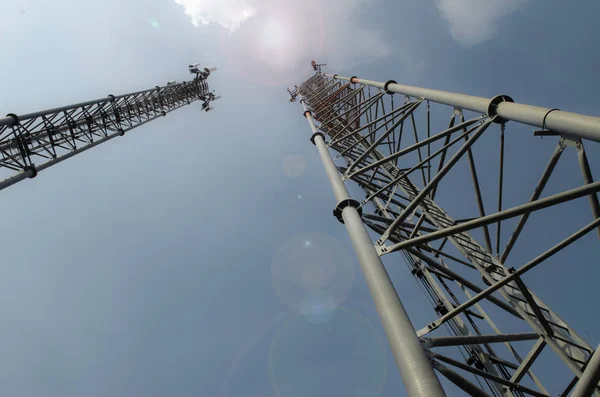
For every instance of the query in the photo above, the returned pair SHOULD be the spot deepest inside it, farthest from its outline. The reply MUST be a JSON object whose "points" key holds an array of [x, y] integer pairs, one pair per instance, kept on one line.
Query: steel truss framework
{"points": [[359, 120], [33, 142]]}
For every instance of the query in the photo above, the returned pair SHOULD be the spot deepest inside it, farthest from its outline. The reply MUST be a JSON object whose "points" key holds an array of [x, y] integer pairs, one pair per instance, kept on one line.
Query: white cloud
{"points": [[347, 43], [475, 21], [228, 13], [327, 30]]}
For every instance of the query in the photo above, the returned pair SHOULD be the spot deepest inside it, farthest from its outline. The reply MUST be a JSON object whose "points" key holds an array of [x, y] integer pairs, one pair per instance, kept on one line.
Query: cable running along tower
{"points": [[33, 142], [463, 265]]}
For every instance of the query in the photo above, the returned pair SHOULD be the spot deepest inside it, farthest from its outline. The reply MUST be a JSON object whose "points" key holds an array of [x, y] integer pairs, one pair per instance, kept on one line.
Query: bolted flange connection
{"points": [[307, 111], [318, 133], [15, 118], [337, 212], [32, 170], [387, 84], [493, 107]]}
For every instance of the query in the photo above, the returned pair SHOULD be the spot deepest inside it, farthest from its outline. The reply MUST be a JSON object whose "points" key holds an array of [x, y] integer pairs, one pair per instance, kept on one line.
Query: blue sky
{"points": [[148, 266]]}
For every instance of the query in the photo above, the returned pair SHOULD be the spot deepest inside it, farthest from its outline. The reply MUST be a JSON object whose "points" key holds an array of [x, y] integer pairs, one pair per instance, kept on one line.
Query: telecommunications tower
{"points": [[464, 265], [32, 142]]}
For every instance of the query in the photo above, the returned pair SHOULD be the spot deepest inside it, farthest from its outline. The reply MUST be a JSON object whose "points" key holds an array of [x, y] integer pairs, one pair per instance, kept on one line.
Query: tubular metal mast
{"points": [[51, 136], [400, 181]]}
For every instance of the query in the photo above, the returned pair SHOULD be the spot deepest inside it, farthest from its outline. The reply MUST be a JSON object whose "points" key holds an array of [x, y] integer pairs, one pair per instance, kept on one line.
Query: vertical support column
{"points": [[587, 177], [415, 366], [590, 377]]}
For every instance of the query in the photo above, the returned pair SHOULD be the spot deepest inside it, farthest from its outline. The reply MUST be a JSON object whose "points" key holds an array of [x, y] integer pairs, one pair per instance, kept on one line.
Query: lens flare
{"points": [[312, 273], [274, 47], [318, 306], [154, 23], [344, 356], [294, 165], [274, 35]]}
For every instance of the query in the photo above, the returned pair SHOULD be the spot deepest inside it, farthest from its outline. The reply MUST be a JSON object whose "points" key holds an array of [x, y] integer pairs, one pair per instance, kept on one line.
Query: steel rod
{"points": [[460, 381], [420, 156], [536, 194], [500, 191], [434, 181], [374, 145], [405, 174], [534, 306], [452, 129], [359, 141], [487, 375], [478, 196], [414, 365], [509, 213], [477, 339], [532, 355], [428, 136], [399, 143], [522, 270], [387, 220], [590, 377], [344, 101], [443, 157], [370, 101], [463, 281], [588, 178]]}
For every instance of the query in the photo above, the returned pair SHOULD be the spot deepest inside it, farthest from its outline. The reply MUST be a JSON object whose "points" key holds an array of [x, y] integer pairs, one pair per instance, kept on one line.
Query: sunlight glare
{"points": [[275, 35], [275, 49]]}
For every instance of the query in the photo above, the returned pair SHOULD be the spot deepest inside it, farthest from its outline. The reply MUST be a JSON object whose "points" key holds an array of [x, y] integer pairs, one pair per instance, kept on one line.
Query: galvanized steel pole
{"points": [[574, 124], [414, 364], [590, 378]]}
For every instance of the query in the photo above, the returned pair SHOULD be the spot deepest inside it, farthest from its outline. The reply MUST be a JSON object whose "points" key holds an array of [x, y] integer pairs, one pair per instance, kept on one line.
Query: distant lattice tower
{"points": [[33, 142], [462, 264]]}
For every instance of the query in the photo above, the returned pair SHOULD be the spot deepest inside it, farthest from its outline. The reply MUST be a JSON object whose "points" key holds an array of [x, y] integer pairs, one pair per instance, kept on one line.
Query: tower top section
{"points": [[317, 66]]}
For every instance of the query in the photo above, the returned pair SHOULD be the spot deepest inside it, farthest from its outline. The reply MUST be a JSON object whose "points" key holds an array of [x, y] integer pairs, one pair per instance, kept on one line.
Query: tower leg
{"points": [[415, 366], [590, 377]]}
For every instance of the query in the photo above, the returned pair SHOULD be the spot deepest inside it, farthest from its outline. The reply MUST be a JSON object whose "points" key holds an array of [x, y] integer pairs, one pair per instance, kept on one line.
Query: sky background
{"points": [[158, 263]]}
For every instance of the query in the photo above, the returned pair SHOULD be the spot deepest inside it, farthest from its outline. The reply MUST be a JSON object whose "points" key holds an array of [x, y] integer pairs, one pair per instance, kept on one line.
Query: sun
{"points": [[274, 35], [275, 48]]}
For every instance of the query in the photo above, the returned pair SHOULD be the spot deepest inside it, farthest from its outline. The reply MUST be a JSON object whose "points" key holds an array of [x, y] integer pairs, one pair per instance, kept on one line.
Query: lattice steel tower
{"points": [[399, 165], [51, 136]]}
